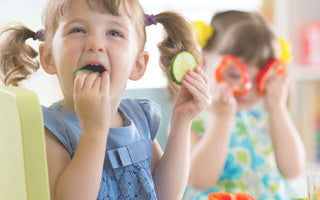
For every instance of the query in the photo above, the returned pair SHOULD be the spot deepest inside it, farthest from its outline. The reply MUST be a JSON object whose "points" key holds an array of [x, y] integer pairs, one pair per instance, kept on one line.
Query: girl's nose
{"points": [[95, 44]]}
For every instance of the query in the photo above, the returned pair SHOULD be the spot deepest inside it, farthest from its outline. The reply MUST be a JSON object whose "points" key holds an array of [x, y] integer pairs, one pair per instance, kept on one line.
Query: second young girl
{"points": [[100, 146], [246, 140]]}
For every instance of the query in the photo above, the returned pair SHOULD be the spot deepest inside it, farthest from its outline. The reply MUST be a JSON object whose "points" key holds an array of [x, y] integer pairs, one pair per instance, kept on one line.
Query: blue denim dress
{"points": [[127, 166]]}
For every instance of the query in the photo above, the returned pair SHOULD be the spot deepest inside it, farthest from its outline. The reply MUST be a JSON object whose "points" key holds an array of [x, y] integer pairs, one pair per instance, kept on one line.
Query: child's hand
{"points": [[223, 103], [276, 94], [193, 96], [91, 101]]}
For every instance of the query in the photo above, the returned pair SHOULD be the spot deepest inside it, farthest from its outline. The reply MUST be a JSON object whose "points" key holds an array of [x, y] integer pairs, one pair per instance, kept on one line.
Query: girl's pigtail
{"points": [[17, 59], [180, 37]]}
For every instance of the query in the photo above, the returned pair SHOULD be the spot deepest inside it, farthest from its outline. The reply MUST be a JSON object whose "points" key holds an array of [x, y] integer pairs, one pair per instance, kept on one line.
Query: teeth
{"points": [[95, 68]]}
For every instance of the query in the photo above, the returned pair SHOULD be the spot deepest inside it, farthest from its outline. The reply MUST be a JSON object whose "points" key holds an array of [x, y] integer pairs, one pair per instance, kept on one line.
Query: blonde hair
{"points": [[18, 60], [243, 34]]}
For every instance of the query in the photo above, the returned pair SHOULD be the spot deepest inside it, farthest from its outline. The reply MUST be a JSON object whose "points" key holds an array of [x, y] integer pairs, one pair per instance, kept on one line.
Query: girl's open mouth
{"points": [[94, 68], [90, 68]]}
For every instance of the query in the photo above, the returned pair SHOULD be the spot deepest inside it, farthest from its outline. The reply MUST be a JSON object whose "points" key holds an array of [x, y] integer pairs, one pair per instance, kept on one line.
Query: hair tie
{"points": [[285, 50], [203, 32], [150, 19], [39, 35]]}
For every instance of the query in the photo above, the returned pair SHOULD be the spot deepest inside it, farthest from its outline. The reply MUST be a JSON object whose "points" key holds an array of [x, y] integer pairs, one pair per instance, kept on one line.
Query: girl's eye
{"points": [[77, 30], [235, 76], [114, 33]]}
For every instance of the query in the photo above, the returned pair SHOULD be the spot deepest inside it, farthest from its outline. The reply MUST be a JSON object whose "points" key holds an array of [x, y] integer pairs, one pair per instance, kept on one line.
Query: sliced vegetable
{"points": [[180, 65], [79, 71], [244, 85], [229, 196], [272, 65]]}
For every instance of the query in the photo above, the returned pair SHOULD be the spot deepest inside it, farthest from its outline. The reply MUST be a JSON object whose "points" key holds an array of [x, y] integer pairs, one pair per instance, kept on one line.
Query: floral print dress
{"points": [[250, 166]]}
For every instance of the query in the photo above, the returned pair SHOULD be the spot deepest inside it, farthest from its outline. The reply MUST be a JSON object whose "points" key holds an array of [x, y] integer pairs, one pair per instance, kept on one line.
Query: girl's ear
{"points": [[140, 67], [46, 60]]}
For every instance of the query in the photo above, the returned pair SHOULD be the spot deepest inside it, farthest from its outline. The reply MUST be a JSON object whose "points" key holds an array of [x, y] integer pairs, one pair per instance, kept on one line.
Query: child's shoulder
{"points": [[62, 123], [145, 104]]}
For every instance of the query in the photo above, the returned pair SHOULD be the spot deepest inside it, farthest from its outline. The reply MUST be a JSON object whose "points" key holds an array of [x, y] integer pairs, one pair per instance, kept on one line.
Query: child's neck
{"points": [[117, 120]]}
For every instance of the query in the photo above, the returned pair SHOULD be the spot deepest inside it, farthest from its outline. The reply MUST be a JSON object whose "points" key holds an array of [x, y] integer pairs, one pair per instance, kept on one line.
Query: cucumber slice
{"points": [[180, 65], [79, 71]]}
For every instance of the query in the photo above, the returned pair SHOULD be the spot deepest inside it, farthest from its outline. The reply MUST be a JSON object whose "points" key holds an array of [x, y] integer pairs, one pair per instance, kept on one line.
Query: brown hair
{"points": [[180, 37], [243, 34], [16, 57]]}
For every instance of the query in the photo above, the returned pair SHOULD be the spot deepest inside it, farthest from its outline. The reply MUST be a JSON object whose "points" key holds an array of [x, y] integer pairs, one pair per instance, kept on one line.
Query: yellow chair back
{"points": [[23, 164]]}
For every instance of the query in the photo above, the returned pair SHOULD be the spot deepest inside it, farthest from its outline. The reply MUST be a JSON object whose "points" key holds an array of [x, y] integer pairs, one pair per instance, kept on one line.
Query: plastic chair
{"points": [[23, 168]]}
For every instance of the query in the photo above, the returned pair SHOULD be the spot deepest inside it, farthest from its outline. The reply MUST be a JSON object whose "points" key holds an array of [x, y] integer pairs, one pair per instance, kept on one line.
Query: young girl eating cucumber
{"points": [[246, 141], [99, 145]]}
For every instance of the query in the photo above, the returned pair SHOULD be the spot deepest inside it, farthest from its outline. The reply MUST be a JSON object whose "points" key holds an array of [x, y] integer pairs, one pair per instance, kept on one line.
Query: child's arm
{"points": [[208, 154], [289, 149], [80, 177], [172, 170]]}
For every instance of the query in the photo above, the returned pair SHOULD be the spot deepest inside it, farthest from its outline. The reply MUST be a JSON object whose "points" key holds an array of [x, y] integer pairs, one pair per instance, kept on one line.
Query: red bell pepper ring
{"points": [[245, 80], [229, 196], [273, 64]]}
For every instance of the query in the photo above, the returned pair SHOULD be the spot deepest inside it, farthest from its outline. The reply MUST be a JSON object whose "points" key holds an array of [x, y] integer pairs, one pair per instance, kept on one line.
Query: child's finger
{"points": [[200, 76], [197, 83], [203, 75], [96, 84], [195, 75], [105, 82], [199, 99], [272, 79], [227, 96], [225, 88], [195, 91], [79, 81], [200, 79], [90, 79], [217, 92]]}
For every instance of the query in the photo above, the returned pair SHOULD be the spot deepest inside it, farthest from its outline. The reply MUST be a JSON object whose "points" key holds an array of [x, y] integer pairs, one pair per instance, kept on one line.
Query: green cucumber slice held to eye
{"points": [[180, 65]]}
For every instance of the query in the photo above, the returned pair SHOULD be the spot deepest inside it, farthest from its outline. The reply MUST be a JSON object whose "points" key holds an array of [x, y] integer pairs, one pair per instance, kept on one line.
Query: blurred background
{"points": [[296, 20]]}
